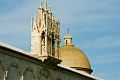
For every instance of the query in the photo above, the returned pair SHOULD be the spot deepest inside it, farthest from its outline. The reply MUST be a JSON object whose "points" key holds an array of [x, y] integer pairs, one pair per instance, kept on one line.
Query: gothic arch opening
{"points": [[13, 73], [28, 74], [43, 38]]}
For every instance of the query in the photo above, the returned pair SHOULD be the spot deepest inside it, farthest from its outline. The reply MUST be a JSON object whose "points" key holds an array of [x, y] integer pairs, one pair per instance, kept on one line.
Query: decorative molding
{"points": [[15, 65], [52, 61], [29, 69], [44, 72]]}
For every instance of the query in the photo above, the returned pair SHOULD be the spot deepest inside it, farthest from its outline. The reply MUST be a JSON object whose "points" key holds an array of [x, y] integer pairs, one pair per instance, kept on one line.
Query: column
{"points": [[40, 46], [45, 45]]}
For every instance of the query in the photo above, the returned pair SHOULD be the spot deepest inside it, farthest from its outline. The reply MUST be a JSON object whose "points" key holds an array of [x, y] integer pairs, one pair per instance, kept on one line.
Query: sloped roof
{"points": [[61, 66]]}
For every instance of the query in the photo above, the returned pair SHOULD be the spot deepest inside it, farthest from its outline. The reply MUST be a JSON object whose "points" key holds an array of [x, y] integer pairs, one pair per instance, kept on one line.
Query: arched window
{"points": [[28, 74], [66, 42], [13, 73]]}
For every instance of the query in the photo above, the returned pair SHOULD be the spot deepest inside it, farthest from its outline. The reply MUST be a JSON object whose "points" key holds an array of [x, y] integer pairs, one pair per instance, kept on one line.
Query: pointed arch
{"points": [[13, 72], [29, 74], [43, 38]]}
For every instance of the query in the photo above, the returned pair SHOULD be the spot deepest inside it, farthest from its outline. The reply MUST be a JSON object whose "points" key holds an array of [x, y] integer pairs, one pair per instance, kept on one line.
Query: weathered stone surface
{"points": [[18, 66]]}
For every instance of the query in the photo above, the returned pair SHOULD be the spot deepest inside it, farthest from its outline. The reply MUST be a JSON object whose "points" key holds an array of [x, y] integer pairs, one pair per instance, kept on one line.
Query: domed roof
{"points": [[74, 58]]}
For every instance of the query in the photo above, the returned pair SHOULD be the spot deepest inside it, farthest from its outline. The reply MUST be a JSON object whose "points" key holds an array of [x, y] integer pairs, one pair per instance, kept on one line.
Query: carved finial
{"points": [[32, 22], [40, 3], [34, 17], [45, 4], [50, 10]]}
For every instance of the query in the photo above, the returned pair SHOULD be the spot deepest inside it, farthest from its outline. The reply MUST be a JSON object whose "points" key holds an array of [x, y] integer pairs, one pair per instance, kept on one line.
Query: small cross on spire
{"points": [[68, 30]]}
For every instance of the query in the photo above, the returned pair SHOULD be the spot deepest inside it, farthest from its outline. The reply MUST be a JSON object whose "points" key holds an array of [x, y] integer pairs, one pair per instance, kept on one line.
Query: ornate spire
{"points": [[40, 3], [34, 17], [45, 4], [32, 23], [50, 10]]}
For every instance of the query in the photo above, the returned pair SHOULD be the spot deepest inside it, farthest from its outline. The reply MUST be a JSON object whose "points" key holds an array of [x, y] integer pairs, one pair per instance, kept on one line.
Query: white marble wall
{"points": [[16, 66]]}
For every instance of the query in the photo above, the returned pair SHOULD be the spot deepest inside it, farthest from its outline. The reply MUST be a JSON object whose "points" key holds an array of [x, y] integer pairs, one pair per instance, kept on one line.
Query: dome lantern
{"points": [[68, 39]]}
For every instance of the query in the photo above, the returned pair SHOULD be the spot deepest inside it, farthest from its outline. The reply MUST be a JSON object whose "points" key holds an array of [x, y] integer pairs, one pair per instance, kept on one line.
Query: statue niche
{"points": [[43, 42]]}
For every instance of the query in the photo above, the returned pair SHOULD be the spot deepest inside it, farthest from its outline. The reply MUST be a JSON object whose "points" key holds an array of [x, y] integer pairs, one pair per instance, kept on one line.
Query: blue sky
{"points": [[94, 26]]}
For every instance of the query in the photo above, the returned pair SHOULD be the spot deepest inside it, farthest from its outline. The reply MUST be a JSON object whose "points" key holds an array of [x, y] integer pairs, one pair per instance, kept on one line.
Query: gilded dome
{"points": [[74, 57]]}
